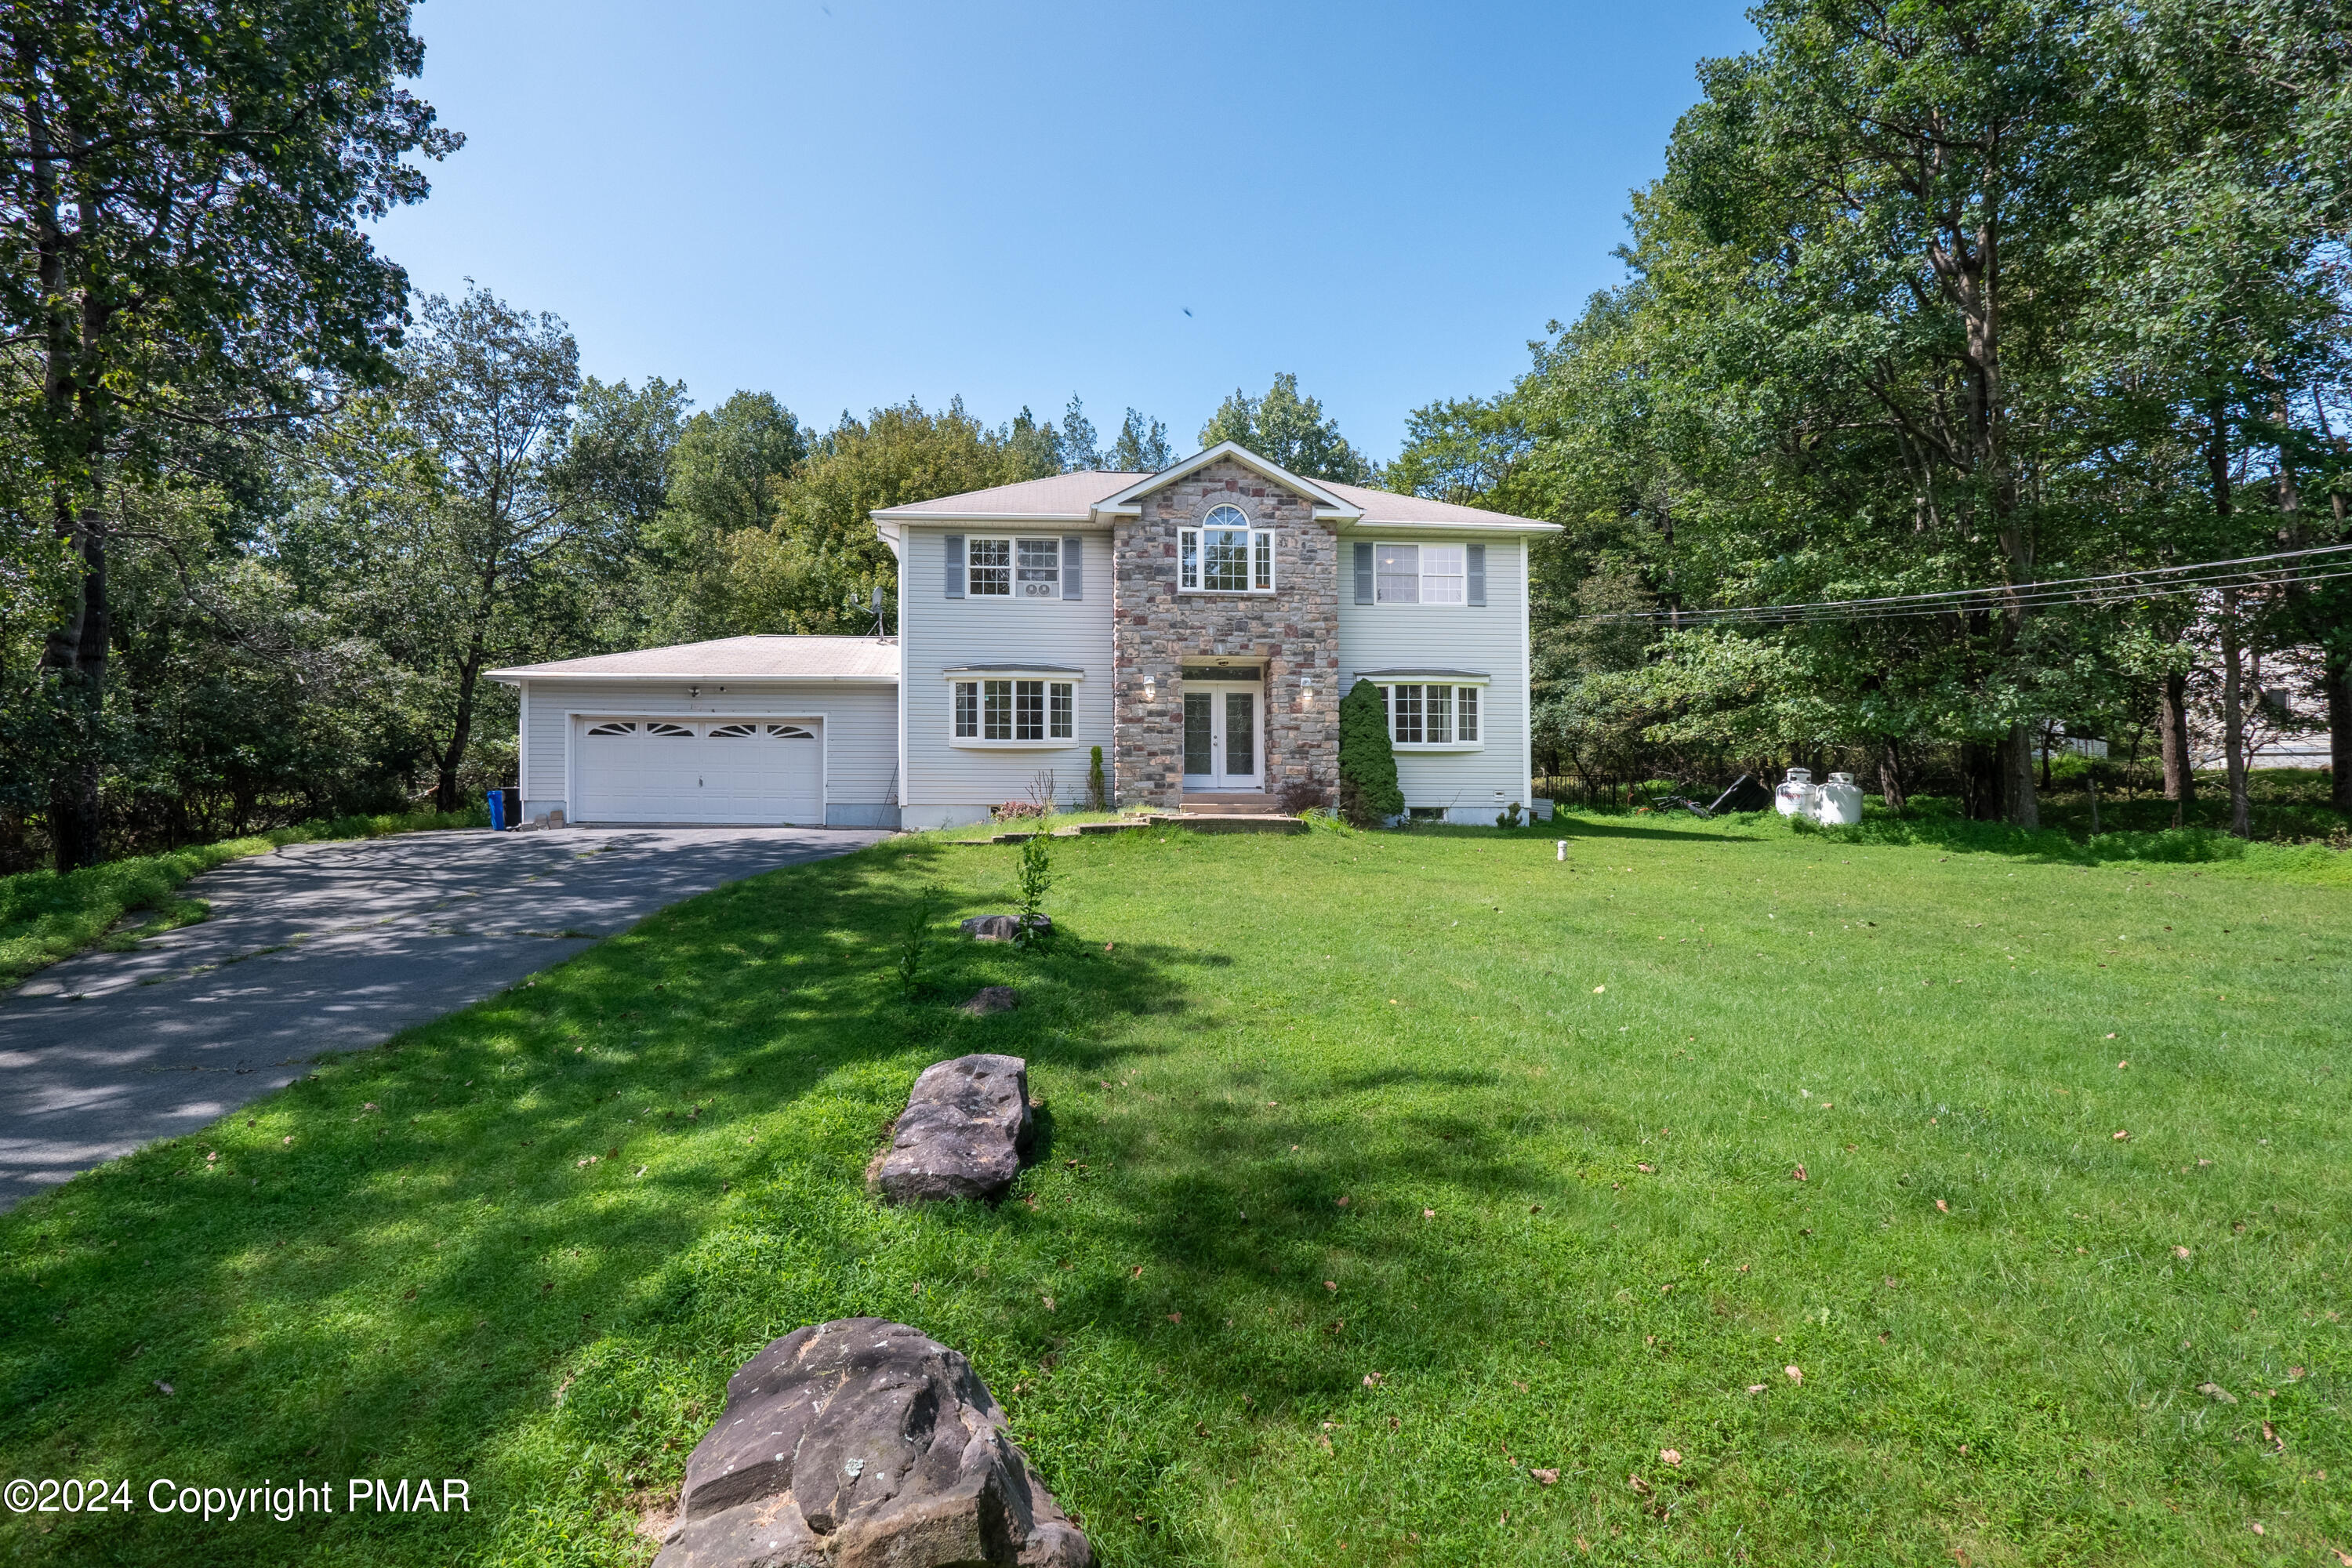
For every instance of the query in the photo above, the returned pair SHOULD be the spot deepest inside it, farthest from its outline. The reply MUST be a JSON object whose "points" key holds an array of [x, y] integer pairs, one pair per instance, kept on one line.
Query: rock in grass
{"points": [[962, 1133], [1003, 928], [865, 1443], [993, 999]]}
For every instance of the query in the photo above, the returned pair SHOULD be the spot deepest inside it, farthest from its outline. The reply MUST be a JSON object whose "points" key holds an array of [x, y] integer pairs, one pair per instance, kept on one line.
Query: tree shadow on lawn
{"points": [[389, 1267], [1923, 828]]}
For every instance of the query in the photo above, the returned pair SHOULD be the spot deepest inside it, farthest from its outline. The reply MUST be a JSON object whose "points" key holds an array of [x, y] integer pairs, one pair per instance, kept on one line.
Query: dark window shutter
{"points": [[1074, 555], [1363, 573], [1477, 553], [955, 565]]}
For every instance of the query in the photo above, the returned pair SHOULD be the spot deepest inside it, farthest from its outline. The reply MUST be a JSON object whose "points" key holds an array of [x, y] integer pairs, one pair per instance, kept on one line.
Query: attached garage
{"points": [[738, 772], [799, 731]]}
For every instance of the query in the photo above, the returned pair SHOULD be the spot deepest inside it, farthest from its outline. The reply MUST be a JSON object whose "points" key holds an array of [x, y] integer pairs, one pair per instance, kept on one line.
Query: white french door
{"points": [[1224, 737]]}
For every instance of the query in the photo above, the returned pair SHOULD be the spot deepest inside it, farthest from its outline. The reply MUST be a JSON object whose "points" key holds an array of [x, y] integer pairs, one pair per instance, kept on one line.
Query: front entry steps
{"points": [[1229, 803]]}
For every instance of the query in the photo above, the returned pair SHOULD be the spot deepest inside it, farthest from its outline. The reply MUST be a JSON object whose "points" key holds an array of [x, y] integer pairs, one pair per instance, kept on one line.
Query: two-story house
{"points": [[1199, 625]]}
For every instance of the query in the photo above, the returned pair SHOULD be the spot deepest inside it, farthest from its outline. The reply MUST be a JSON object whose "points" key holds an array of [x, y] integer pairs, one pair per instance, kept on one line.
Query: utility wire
{"points": [[2110, 588]]}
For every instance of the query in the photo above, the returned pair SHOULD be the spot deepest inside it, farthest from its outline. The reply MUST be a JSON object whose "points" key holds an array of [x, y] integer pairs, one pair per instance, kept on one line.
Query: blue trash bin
{"points": [[497, 811]]}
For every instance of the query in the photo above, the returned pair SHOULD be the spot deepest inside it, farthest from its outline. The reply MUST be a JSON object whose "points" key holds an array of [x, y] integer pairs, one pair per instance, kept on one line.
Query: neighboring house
{"points": [[1199, 625]]}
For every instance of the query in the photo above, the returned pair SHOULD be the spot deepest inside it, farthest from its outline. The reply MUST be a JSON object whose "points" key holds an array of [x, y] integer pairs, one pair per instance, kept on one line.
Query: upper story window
{"points": [[1424, 574], [1226, 553], [1014, 568]]}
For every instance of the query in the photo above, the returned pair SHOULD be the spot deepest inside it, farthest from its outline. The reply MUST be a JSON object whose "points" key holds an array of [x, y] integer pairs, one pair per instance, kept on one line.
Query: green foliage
{"points": [[816, 567], [570, 1338], [1825, 379], [1368, 791], [1035, 871], [444, 523], [188, 258], [914, 937], [1141, 447], [1098, 791], [1292, 431]]}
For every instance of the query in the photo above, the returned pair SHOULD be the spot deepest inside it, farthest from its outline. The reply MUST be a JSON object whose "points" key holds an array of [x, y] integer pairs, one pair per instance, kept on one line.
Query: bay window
{"points": [[1433, 715], [1013, 711]]}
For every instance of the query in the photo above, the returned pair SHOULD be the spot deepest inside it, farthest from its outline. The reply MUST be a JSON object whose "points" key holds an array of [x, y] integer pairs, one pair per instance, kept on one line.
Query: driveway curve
{"points": [[326, 947]]}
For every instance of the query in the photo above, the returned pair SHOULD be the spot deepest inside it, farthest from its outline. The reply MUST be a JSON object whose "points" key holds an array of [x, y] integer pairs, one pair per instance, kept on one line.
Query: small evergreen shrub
{"points": [[1098, 793], [1368, 773]]}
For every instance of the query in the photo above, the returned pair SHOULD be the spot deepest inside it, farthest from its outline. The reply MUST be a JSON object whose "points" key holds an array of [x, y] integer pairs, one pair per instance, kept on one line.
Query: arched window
{"points": [[1227, 553]]}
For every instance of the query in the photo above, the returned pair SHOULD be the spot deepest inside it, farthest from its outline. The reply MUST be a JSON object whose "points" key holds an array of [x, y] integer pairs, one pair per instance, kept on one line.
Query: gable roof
{"points": [[1326, 503], [1095, 497], [728, 658]]}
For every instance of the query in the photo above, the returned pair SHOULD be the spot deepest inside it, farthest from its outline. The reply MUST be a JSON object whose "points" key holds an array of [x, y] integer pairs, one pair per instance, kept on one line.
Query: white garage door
{"points": [[679, 770]]}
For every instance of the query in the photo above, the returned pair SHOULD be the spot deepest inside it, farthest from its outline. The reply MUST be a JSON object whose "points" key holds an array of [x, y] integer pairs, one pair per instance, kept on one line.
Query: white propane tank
{"points": [[1795, 794], [1838, 804]]}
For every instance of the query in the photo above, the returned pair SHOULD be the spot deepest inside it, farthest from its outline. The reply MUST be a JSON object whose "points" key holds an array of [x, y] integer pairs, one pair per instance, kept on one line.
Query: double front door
{"points": [[1224, 736]]}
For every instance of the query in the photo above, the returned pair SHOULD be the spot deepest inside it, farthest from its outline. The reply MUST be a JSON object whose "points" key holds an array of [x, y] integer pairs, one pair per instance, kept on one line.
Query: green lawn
{"points": [[1380, 1173]]}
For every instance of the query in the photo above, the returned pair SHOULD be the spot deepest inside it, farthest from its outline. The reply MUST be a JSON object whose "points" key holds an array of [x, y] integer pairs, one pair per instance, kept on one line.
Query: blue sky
{"points": [[848, 202]]}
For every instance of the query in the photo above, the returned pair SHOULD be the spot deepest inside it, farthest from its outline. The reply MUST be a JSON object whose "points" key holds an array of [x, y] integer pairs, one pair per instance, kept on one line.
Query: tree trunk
{"points": [[2233, 717], [2018, 805], [74, 657], [1890, 775], [2179, 761], [1980, 780], [444, 791], [2338, 678]]}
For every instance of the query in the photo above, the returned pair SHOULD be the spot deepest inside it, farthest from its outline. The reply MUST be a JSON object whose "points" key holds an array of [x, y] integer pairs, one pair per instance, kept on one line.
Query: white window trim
{"points": [[1418, 748], [1013, 543], [1051, 678], [1420, 577], [1257, 531]]}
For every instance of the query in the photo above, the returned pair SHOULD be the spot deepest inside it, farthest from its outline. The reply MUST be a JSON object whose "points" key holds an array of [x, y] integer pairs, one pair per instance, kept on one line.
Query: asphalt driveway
{"points": [[326, 947]]}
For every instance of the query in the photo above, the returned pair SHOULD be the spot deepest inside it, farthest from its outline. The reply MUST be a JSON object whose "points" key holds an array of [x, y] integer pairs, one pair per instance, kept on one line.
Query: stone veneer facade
{"points": [[1293, 631]]}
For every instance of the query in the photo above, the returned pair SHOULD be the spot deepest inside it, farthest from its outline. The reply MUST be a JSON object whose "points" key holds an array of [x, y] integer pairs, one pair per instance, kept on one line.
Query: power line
{"points": [[2109, 588]]}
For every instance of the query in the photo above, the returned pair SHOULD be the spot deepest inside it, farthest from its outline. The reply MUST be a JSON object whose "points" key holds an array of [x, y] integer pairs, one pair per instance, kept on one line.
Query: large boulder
{"points": [[962, 1133], [865, 1443], [1004, 928]]}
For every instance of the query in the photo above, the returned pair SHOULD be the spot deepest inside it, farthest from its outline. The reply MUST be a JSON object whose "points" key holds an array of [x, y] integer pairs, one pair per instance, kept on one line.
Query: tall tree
{"points": [[819, 566], [1291, 430], [1141, 447], [1901, 180], [444, 527], [185, 190], [1078, 448], [725, 478]]}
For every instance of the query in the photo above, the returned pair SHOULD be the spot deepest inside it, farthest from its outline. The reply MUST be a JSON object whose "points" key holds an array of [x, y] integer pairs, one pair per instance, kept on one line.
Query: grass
{"points": [[45, 916], [1379, 1173]]}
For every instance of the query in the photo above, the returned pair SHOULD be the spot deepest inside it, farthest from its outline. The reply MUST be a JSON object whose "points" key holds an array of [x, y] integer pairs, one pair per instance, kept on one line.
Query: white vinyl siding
{"points": [[1029, 640], [1471, 784]]}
